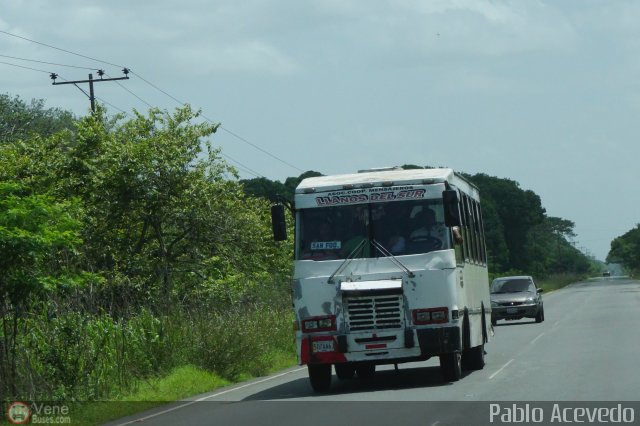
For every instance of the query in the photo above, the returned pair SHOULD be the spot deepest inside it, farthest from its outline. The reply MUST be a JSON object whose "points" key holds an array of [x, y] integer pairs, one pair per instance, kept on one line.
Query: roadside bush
{"points": [[72, 356], [237, 341]]}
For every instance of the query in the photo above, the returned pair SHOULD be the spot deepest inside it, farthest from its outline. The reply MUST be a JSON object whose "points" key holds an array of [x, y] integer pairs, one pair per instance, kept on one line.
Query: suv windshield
{"points": [[512, 286], [400, 228]]}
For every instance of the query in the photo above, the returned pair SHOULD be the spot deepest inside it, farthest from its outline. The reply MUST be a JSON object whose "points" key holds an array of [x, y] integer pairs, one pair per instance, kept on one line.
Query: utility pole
{"points": [[91, 95]]}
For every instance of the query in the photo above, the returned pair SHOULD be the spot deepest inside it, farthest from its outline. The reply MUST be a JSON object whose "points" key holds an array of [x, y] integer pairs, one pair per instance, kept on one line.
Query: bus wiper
{"points": [[394, 259], [349, 258]]}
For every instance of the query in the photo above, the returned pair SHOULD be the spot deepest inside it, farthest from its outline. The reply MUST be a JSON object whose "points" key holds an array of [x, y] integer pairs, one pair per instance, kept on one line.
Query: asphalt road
{"points": [[584, 356]]}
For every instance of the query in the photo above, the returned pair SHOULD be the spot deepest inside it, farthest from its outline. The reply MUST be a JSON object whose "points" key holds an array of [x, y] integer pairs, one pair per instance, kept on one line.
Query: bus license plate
{"points": [[323, 346]]}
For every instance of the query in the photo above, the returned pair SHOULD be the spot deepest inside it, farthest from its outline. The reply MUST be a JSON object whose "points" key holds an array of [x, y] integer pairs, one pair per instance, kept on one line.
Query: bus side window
{"points": [[481, 241], [470, 230], [476, 231], [465, 230], [484, 240]]}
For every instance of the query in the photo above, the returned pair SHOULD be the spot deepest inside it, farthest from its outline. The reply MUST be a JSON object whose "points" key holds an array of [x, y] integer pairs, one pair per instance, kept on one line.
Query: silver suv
{"points": [[514, 298]]}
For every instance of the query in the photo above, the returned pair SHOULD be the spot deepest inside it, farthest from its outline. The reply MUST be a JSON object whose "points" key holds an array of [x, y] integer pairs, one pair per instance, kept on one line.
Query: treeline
{"points": [[128, 248], [520, 236], [625, 249]]}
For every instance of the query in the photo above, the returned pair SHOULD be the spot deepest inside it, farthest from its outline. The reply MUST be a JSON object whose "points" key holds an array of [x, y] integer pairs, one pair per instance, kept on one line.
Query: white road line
{"points": [[539, 336], [142, 419], [502, 368], [252, 383], [204, 398]]}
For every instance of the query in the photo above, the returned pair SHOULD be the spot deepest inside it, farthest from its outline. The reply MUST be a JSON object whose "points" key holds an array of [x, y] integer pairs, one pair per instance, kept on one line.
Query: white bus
{"points": [[390, 267]]}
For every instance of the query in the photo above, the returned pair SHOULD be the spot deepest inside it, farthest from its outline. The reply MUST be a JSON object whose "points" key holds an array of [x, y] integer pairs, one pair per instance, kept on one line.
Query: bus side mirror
{"points": [[451, 208], [278, 224]]}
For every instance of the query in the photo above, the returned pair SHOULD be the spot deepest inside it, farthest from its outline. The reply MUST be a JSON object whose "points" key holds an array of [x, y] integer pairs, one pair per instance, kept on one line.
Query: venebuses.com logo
{"points": [[18, 413]]}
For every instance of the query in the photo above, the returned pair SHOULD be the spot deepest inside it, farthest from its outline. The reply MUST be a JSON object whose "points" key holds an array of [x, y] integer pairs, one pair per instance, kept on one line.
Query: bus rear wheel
{"points": [[451, 366], [474, 358], [320, 376]]}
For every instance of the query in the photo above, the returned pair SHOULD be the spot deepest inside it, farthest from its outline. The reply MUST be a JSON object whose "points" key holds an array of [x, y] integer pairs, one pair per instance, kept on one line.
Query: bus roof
{"points": [[383, 178]]}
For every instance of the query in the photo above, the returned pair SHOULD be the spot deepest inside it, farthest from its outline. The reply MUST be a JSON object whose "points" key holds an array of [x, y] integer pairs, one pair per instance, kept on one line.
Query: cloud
{"points": [[456, 27], [250, 56]]}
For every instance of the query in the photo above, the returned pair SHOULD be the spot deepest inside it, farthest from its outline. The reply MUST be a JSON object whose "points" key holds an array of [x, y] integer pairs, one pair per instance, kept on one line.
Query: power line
{"points": [[238, 163], [133, 94], [112, 106], [260, 149], [62, 50], [155, 87], [242, 166], [48, 63], [228, 157], [91, 82], [22, 66], [61, 78], [34, 69]]}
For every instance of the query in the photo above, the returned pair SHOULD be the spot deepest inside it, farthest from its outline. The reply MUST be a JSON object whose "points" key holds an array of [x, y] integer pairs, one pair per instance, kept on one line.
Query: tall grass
{"points": [[557, 281], [73, 356]]}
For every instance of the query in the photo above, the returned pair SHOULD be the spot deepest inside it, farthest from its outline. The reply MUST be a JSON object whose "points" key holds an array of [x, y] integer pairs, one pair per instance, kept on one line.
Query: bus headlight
{"points": [[316, 324]]}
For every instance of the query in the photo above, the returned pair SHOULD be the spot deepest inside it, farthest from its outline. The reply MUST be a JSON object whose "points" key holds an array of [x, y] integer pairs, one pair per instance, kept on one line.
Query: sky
{"points": [[540, 92]]}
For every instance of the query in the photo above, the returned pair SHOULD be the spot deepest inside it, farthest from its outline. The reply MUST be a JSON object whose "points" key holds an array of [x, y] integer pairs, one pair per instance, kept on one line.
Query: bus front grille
{"points": [[366, 313]]}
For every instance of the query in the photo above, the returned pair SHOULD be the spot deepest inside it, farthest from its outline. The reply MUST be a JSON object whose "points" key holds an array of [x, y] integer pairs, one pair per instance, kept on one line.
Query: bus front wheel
{"points": [[320, 376]]}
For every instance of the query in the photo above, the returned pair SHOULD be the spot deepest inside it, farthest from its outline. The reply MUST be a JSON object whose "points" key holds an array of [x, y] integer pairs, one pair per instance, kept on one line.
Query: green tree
{"points": [[275, 191], [625, 249], [550, 251], [167, 237], [518, 211], [38, 239], [20, 121], [165, 211], [497, 250]]}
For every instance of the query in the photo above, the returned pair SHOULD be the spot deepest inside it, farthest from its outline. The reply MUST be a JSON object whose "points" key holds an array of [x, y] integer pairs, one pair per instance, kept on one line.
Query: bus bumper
{"points": [[430, 342]]}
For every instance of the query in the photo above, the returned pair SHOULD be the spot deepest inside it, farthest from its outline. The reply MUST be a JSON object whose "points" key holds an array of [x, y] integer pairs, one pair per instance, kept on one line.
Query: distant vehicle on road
{"points": [[514, 298], [606, 274]]}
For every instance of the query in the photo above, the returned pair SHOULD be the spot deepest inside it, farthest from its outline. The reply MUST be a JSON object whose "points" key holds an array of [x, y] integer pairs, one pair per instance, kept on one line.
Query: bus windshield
{"points": [[357, 231]]}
